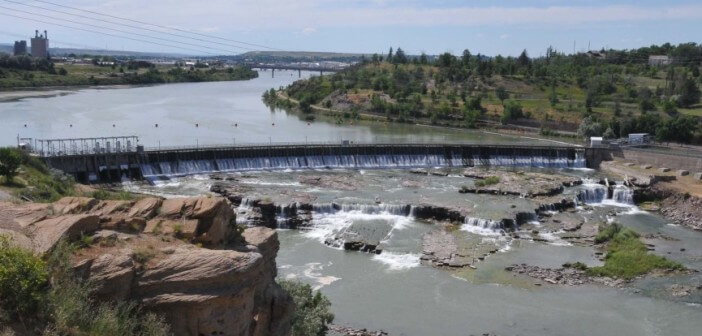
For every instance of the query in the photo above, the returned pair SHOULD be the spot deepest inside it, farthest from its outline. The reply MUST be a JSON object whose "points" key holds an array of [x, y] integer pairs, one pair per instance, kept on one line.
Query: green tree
{"points": [[523, 59], [10, 162], [617, 108], [512, 110], [669, 107], [589, 127], [423, 59], [554, 96], [471, 117], [312, 309], [689, 93], [501, 94], [400, 57], [23, 280]]}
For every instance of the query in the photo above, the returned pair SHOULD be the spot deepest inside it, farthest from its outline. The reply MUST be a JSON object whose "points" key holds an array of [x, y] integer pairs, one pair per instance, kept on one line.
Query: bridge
{"points": [[299, 67], [106, 161]]}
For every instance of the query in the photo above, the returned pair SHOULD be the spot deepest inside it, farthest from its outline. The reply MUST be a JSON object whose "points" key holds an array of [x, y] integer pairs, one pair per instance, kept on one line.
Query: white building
{"points": [[657, 60]]}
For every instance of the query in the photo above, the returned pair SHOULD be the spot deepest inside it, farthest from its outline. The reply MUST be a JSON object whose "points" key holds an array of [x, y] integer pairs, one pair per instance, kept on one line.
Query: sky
{"points": [[503, 27]]}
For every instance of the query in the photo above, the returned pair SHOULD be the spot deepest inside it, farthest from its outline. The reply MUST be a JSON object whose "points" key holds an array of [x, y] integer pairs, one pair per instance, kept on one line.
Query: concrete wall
{"points": [[657, 160]]}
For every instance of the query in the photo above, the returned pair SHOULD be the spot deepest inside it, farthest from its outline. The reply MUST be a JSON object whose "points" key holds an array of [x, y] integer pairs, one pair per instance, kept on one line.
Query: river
{"points": [[391, 291], [189, 114]]}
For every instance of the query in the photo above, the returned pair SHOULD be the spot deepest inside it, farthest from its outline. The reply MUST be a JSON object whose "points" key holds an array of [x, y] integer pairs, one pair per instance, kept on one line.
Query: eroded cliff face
{"points": [[182, 258]]}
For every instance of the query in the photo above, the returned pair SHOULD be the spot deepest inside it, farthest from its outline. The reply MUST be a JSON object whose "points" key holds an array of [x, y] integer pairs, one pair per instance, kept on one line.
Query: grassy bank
{"points": [[37, 183], [627, 257], [14, 74]]}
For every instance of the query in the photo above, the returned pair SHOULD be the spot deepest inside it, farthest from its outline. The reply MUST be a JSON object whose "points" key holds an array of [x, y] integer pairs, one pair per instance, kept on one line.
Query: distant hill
{"points": [[296, 56]]}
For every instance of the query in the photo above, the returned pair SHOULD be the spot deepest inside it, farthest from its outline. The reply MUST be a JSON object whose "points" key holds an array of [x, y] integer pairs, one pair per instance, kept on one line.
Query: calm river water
{"points": [[189, 114]]}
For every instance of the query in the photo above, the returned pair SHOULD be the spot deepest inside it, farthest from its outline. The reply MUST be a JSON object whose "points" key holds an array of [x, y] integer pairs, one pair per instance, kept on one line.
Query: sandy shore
{"points": [[7, 96]]}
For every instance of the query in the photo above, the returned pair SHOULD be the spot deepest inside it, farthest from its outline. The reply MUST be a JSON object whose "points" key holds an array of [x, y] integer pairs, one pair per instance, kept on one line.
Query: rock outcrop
{"points": [[182, 258]]}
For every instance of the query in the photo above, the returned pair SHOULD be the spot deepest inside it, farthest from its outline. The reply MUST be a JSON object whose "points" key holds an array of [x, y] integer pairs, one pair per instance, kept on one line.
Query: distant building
{"points": [[20, 48], [639, 138], [40, 45], [596, 141], [658, 60]]}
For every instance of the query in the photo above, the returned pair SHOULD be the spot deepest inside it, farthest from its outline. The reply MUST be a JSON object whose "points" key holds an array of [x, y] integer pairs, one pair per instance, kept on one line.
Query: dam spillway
{"points": [[155, 164]]}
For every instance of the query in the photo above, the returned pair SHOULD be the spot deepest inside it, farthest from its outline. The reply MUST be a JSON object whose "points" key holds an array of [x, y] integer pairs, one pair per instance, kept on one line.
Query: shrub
{"points": [[23, 280], [490, 180], [627, 257], [72, 311], [576, 265], [142, 255], [10, 161], [312, 309]]}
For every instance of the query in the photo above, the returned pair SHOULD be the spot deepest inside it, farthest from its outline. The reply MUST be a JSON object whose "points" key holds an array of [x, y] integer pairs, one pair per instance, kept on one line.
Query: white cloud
{"points": [[300, 14], [504, 36], [308, 31]]}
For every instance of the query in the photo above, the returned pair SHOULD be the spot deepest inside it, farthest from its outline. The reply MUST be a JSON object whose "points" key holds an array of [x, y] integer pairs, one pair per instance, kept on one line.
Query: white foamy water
{"points": [[325, 225], [554, 239], [312, 272], [398, 261]]}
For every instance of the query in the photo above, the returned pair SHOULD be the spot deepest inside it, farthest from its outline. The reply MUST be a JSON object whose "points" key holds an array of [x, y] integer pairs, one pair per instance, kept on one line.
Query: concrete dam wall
{"points": [[162, 164]]}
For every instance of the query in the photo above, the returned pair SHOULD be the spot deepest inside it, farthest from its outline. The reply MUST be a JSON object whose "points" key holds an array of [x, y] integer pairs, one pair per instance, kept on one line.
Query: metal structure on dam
{"points": [[102, 160]]}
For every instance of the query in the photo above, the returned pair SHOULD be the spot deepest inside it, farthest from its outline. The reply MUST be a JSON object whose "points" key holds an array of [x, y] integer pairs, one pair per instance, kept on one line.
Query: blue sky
{"points": [[366, 26]]}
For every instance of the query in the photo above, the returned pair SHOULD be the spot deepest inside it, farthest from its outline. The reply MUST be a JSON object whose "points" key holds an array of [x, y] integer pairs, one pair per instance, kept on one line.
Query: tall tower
{"points": [[20, 48], [40, 45]]}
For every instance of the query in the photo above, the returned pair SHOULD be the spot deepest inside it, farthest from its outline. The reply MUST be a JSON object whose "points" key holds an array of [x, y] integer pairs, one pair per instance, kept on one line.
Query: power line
{"points": [[117, 30], [107, 34], [159, 26], [127, 25]]}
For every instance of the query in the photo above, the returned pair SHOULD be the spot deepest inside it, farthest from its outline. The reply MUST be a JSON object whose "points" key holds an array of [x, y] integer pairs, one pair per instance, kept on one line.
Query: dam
{"points": [[101, 164]]}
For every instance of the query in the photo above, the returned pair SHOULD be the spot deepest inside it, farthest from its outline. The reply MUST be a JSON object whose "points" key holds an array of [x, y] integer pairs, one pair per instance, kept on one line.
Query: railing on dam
{"points": [[337, 144]]}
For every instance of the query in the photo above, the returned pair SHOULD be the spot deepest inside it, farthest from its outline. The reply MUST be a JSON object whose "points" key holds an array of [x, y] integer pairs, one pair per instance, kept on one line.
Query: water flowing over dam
{"points": [[162, 164]]}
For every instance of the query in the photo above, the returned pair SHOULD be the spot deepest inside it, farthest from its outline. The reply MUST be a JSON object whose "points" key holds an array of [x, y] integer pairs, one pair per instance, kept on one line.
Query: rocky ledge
{"points": [[182, 258], [524, 184], [349, 331], [572, 275], [680, 208]]}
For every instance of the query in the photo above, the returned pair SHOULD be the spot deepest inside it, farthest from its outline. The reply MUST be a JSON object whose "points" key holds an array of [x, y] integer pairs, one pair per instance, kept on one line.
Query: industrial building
{"points": [[20, 48], [40, 45]]}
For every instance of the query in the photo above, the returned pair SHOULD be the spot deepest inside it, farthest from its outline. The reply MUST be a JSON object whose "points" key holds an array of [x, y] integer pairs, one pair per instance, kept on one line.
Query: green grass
{"points": [[490, 180], [112, 195], [627, 257], [81, 75]]}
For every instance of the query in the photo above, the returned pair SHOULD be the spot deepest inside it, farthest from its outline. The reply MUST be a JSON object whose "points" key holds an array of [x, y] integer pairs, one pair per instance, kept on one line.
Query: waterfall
{"points": [[597, 194], [367, 158], [369, 209], [623, 195], [591, 193], [484, 223]]}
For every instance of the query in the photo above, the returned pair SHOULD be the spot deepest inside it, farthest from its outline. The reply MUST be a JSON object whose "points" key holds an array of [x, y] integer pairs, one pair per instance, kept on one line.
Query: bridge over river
{"points": [[98, 160]]}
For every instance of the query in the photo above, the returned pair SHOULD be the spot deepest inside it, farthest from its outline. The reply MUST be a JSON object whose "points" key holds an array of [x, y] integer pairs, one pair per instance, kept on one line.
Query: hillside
{"points": [[617, 95]]}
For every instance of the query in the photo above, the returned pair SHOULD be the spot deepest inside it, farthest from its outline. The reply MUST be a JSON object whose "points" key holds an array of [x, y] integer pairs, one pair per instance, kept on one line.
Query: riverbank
{"points": [[92, 75], [282, 100]]}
